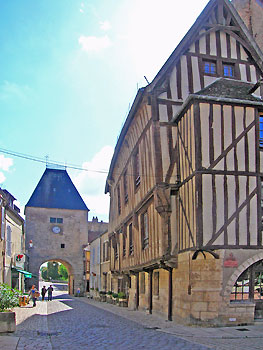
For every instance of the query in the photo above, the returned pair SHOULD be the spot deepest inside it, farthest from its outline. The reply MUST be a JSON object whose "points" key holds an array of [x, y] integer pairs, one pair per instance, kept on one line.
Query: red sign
{"points": [[230, 261]]}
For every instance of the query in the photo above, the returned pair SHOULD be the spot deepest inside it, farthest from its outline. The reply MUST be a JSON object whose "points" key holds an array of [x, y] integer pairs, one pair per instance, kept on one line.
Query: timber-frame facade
{"points": [[185, 178]]}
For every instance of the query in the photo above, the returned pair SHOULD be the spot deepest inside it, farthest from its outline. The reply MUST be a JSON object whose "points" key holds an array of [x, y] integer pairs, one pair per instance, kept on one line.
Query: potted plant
{"points": [[123, 300], [9, 298], [109, 297], [102, 296], [115, 298]]}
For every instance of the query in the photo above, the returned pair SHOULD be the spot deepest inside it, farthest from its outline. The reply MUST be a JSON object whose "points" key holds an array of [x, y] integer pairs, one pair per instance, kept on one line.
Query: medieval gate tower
{"points": [[57, 226]]}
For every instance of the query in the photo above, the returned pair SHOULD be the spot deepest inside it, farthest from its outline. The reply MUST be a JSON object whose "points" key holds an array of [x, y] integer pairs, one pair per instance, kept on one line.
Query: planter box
{"points": [[103, 298], [115, 301], [7, 322], [123, 302]]}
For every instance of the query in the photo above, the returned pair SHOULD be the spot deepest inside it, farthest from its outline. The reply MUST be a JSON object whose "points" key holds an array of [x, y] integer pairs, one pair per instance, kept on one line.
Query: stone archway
{"points": [[74, 278], [70, 271], [239, 270]]}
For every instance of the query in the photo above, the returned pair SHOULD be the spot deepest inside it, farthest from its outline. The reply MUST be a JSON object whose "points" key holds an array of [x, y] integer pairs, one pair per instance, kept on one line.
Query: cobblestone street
{"points": [[79, 323]]}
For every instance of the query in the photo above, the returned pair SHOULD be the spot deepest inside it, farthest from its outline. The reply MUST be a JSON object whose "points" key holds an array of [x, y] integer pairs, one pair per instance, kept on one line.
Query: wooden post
{"points": [[150, 291], [170, 293], [137, 291]]}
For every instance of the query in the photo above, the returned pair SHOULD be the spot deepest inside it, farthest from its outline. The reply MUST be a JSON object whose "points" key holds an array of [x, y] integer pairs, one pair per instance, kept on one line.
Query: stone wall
{"points": [[48, 246]]}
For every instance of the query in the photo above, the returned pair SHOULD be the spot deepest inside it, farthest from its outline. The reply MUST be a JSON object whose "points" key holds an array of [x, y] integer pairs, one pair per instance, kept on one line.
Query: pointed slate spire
{"points": [[56, 190]]}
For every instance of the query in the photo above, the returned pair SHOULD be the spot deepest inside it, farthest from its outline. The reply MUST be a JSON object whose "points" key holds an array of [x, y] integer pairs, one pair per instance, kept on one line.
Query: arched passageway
{"points": [[249, 287]]}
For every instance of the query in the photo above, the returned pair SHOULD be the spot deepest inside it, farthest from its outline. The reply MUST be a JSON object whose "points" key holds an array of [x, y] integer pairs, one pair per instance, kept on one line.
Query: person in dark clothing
{"points": [[43, 292], [49, 293]]}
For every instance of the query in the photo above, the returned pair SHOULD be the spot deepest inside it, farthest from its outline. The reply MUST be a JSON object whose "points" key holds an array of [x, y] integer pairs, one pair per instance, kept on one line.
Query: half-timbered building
{"points": [[185, 224]]}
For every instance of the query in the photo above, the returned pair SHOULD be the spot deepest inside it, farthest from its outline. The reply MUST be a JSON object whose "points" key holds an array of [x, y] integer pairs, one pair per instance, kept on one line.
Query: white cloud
{"points": [[5, 163], [2, 177], [105, 25], [80, 10], [91, 183], [94, 43]]}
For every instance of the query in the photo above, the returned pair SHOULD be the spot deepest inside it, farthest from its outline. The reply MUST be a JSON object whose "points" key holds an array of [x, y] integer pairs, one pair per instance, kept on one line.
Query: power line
{"points": [[50, 162], [54, 163]]}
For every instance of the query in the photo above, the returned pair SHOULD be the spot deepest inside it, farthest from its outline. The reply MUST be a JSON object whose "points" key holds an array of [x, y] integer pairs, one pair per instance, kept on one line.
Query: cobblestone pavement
{"points": [[80, 323]]}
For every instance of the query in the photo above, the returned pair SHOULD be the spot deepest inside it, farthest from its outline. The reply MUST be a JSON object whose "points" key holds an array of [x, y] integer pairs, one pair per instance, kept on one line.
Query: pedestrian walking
{"points": [[49, 293], [34, 294], [43, 292]]}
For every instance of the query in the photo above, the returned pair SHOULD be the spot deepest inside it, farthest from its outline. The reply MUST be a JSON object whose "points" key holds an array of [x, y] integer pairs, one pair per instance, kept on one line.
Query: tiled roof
{"points": [[56, 190], [229, 88]]}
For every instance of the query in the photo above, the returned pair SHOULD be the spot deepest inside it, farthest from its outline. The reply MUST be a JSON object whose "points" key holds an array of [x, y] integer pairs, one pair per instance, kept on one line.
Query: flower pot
{"points": [[7, 322]]}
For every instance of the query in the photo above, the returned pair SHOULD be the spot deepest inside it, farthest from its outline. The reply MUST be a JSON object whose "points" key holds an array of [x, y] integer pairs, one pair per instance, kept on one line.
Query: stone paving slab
{"points": [[218, 338], [8, 342], [33, 329]]}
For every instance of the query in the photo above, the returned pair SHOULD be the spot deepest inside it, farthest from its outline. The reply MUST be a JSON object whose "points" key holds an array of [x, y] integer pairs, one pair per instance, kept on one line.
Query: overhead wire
{"points": [[60, 164]]}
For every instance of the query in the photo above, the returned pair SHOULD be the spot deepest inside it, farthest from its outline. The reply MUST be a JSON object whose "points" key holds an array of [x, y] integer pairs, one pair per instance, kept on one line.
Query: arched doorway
{"points": [[70, 284], [55, 272], [249, 287]]}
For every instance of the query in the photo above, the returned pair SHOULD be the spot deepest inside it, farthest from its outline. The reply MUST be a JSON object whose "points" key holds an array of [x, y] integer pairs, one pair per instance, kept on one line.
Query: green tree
{"points": [[52, 270], [44, 273], [63, 272]]}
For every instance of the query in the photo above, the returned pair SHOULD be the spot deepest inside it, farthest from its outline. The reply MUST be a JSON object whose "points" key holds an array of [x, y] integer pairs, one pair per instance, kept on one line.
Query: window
{"points": [[156, 283], [104, 251], [125, 187], [144, 230], [56, 220], [136, 166], [261, 130], [210, 67], [62, 245], [130, 240], [228, 70], [3, 223], [8, 241], [98, 254], [119, 199], [124, 244]]}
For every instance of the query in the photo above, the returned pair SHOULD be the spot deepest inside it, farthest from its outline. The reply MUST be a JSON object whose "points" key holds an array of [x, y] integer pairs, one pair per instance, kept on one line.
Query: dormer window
{"points": [[210, 67], [228, 70]]}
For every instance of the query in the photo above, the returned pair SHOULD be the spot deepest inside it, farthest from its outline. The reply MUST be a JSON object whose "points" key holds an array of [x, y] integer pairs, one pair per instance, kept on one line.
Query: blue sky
{"points": [[69, 71]]}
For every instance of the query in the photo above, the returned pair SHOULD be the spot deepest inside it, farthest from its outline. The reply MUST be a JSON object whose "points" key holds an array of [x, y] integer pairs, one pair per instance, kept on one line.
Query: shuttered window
{"points": [[130, 239], [3, 223], [8, 241], [144, 230], [137, 177], [119, 199], [125, 187]]}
